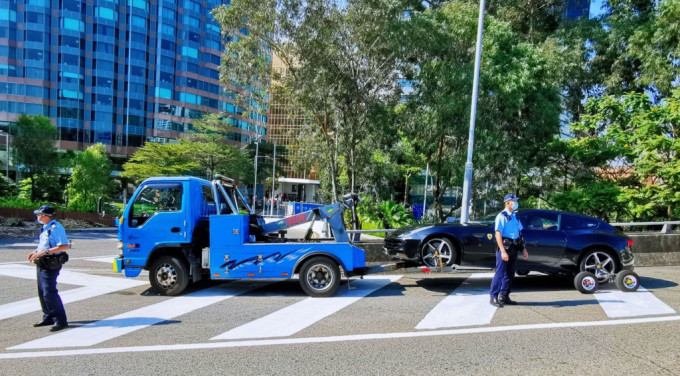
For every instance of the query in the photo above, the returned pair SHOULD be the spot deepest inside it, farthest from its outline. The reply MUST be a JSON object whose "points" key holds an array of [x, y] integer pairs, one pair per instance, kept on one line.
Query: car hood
{"points": [[408, 230]]}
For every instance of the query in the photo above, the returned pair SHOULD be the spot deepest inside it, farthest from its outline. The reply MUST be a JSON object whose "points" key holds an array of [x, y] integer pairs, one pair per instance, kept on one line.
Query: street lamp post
{"points": [[271, 203], [467, 183], [257, 149]]}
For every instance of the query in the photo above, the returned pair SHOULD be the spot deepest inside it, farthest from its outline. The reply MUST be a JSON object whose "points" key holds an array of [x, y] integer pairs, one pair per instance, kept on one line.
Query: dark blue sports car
{"points": [[557, 242]]}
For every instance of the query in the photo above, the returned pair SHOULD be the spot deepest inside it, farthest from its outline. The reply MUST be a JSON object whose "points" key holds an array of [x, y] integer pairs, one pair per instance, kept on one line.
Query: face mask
{"points": [[515, 205]]}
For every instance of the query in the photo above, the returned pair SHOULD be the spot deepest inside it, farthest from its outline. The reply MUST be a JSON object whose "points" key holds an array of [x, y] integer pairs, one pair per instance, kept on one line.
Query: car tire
{"points": [[522, 272], [320, 277], [168, 275], [586, 282], [447, 251], [627, 281], [600, 257]]}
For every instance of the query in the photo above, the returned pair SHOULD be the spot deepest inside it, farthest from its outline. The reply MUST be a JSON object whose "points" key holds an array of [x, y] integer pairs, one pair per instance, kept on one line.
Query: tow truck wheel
{"points": [[627, 281], [320, 277], [168, 275], [586, 282]]}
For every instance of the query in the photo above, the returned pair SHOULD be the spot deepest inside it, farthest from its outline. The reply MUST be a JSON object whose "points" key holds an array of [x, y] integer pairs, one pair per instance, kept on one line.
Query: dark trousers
{"points": [[505, 273], [50, 302]]}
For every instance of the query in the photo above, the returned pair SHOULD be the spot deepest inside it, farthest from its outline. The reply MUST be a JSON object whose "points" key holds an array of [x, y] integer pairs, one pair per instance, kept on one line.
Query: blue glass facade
{"points": [[118, 72]]}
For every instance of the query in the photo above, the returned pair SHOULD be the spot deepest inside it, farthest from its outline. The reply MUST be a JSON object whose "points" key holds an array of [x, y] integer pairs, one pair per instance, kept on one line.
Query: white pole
{"points": [[467, 183], [7, 156], [271, 203], [257, 149], [427, 172]]}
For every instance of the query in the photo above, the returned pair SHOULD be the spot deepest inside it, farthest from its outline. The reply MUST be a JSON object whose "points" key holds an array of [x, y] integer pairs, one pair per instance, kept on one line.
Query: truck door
{"points": [[156, 216]]}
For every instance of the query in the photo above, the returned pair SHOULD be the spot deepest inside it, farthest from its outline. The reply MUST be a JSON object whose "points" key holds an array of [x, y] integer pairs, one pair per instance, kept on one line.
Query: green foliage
{"points": [[47, 186], [33, 148], [91, 179], [383, 215], [7, 187], [159, 160], [26, 203]]}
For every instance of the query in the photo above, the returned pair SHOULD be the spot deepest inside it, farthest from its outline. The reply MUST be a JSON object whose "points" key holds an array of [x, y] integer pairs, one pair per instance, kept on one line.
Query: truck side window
{"points": [[153, 200]]}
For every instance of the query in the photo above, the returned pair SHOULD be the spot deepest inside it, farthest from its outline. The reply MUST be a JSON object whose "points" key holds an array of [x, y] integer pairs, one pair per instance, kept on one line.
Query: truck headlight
{"points": [[120, 247]]}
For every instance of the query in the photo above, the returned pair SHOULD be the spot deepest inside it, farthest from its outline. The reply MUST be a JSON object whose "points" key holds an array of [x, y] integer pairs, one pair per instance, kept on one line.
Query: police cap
{"points": [[46, 210], [510, 197]]}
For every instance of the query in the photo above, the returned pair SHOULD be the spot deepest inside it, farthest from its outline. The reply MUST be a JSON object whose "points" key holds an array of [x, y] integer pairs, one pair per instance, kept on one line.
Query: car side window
{"points": [[153, 200], [540, 221], [576, 223]]}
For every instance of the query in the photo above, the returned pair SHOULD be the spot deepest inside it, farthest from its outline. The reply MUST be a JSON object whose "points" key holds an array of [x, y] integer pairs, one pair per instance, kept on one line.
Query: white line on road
{"points": [[115, 326], [356, 337], [296, 317], [467, 305], [628, 304], [94, 286]]}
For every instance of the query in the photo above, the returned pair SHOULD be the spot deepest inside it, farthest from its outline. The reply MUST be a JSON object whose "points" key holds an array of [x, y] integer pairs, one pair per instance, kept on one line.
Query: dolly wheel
{"points": [[627, 281], [586, 282]]}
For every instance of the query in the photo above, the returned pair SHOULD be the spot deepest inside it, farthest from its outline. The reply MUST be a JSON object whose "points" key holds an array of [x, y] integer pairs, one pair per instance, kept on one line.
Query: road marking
{"points": [[296, 317], [467, 305], [355, 337], [628, 304], [115, 326], [94, 286]]}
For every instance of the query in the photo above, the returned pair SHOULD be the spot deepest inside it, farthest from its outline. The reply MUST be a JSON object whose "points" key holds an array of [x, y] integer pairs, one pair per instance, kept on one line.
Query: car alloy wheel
{"points": [[438, 248], [600, 263]]}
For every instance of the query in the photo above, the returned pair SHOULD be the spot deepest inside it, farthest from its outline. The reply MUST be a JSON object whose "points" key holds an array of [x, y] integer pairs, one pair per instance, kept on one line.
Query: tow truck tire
{"points": [[168, 276], [586, 282], [627, 281], [320, 277]]}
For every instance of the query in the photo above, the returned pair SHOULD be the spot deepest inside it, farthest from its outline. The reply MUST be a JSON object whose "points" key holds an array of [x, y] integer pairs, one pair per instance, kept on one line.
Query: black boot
{"points": [[506, 300], [496, 302]]}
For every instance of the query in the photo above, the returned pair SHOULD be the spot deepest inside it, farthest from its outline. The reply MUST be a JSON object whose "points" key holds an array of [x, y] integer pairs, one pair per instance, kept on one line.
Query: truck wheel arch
{"points": [[165, 250], [301, 261]]}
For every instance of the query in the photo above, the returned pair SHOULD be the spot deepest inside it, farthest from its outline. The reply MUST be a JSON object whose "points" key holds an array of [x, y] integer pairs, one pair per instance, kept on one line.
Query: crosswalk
{"points": [[465, 306]]}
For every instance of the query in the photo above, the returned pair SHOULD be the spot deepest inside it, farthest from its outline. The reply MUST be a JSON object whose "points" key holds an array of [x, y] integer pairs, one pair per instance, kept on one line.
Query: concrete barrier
{"points": [[650, 249]]}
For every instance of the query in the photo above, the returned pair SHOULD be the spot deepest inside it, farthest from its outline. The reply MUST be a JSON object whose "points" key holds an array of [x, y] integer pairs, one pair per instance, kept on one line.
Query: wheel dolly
{"points": [[587, 282]]}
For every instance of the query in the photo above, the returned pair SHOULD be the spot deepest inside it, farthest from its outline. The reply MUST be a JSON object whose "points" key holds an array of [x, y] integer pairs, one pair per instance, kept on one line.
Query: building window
{"points": [[168, 30], [103, 47], [72, 24], [8, 15], [106, 13], [163, 93], [34, 17], [168, 45], [69, 41], [139, 4], [35, 55], [105, 65], [104, 30], [72, 5], [70, 94], [191, 21], [168, 13], [192, 5], [139, 22]]}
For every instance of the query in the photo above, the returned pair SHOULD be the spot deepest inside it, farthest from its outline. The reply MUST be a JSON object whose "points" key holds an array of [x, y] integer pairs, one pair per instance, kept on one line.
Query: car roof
{"points": [[558, 212]]}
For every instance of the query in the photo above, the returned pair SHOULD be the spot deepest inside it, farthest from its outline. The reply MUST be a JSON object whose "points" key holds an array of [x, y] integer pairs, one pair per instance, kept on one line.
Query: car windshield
{"points": [[485, 220]]}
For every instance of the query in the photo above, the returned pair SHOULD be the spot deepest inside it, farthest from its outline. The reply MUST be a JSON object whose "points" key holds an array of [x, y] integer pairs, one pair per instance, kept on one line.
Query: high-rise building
{"points": [[116, 72]]}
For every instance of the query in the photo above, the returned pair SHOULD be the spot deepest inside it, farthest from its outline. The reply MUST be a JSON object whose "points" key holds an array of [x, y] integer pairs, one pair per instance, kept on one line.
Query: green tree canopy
{"points": [[33, 148], [91, 179]]}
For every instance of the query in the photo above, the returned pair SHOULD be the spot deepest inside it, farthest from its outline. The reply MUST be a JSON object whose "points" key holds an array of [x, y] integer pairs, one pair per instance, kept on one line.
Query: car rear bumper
{"points": [[406, 250]]}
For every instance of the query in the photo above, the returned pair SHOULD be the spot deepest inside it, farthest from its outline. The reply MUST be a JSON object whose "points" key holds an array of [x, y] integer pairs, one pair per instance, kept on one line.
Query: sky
{"points": [[595, 8]]}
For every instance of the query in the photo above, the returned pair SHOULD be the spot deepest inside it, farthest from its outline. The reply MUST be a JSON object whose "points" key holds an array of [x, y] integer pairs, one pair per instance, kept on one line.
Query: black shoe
{"points": [[44, 323], [496, 302], [507, 301], [57, 327]]}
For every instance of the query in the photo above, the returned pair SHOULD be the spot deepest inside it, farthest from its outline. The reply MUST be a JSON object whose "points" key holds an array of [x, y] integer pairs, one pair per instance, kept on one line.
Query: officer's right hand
{"points": [[504, 256]]}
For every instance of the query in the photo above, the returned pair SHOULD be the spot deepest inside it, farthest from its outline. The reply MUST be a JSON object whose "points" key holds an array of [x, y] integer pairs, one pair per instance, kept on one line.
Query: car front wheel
{"points": [[438, 248]]}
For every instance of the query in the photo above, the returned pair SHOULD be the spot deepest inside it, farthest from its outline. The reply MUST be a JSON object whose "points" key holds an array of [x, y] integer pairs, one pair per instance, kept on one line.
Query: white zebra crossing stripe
{"points": [[296, 317], [94, 286], [467, 305], [115, 326], [628, 304]]}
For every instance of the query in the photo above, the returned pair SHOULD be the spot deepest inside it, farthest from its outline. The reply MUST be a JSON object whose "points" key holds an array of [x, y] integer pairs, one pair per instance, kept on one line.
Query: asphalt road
{"points": [[390, 324]]}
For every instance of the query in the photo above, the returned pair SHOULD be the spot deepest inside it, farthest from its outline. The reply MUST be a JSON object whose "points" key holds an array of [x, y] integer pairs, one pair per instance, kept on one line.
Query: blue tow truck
{"points": [[184, 229]]}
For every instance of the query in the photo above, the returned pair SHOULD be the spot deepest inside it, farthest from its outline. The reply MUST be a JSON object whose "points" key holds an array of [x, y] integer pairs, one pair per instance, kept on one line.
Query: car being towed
{"points": [[558, 243]]}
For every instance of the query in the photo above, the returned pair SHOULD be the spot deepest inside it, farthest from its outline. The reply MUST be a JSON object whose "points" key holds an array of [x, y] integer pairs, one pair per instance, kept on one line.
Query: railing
{"points": [[666, 229]]}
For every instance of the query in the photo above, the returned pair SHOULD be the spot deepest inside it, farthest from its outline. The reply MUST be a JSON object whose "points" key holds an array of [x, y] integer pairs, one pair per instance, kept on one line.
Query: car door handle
{"points": [[174, 229]]}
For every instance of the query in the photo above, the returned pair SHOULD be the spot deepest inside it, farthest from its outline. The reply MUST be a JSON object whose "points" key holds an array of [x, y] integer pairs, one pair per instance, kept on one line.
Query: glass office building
{"points": [[116, 72]]}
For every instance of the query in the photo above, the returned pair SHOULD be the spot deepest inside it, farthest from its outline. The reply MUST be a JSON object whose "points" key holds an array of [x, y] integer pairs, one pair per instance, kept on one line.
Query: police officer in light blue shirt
{"points": [[53, 243], [508, 231]]}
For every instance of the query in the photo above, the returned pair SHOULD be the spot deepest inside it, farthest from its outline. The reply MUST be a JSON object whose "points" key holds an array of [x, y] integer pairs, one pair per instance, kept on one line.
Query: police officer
{"points": [[508, 243], [46, 256]]}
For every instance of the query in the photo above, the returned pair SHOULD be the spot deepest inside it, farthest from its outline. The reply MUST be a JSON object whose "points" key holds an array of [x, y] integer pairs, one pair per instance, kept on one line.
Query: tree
{"points": [[91, 179], [159, 160], [519, 103], [338, 65], [33, 148]]}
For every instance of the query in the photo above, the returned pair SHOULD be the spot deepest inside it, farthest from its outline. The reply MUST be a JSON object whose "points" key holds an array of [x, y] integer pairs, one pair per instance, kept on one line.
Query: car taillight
{"points": [[630, 243]]}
